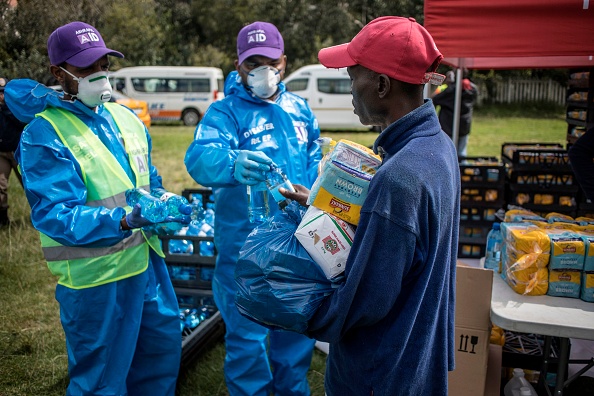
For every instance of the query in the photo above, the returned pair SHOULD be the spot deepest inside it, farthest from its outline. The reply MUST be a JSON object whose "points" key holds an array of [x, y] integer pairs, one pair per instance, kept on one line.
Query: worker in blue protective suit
{"points": [[78, 155], [257, 123]]}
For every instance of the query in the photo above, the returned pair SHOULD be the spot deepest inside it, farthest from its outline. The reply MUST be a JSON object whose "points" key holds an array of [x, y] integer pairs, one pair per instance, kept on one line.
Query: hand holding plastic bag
{"points": [[279, 285]]}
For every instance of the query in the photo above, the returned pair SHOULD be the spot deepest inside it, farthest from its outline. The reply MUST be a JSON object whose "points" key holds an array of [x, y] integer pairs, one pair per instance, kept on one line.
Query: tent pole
{"points": [[457, 103]]}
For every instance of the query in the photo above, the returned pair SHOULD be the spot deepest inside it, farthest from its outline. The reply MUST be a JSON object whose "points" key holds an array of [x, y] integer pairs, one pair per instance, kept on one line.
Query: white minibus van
{"points": [[328, 92], [172, 92]]}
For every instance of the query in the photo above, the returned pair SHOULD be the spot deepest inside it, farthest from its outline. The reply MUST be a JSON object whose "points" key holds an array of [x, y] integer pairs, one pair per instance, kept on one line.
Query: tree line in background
{"points": [[196, 32]]}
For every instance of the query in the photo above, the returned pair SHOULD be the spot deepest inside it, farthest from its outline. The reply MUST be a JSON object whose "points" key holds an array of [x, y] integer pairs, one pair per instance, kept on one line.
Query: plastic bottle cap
{"points": [[496, 226], [518, 371]]}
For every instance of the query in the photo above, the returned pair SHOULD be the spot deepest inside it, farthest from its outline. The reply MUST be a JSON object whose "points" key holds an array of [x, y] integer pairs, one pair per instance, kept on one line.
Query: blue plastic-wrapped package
{"points": [[279, 285]]}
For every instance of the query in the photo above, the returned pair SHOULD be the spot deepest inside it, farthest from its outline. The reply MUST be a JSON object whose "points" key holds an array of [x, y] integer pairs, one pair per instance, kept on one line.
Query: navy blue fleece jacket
{"points": [[391, 324]]}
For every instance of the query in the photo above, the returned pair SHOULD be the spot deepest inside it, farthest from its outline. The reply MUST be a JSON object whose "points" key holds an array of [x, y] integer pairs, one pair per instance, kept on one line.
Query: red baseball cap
{"points": [[396, 46]]}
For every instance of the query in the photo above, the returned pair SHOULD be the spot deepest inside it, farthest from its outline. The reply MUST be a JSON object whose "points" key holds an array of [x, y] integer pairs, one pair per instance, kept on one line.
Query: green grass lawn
{"points": [[32, 351]]}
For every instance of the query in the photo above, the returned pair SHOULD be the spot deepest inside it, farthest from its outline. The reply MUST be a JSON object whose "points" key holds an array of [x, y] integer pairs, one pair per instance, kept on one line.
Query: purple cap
{"points": [[78, 44], [259, 38]]}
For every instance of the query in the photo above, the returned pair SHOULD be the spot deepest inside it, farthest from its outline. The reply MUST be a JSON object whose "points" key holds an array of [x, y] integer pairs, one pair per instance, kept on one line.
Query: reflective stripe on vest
{"points": [[82, 267]]}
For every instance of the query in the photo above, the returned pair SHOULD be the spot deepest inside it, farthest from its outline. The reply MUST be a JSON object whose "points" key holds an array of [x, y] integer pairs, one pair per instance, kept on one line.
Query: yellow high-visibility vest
{"points": [[106, 182]]}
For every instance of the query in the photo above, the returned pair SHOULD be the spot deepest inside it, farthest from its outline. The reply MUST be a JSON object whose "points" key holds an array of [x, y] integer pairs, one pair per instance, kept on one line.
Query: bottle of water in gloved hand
{"points": [[276, 179], [177, 206]]}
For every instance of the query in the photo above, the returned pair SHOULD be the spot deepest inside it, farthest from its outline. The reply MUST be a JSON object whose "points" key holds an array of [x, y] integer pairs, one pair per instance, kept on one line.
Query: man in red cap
{"points": [[391, 324]]}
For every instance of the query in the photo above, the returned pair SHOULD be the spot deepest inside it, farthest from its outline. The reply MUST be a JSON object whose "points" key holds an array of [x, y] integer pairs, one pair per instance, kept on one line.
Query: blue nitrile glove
{"points": [[251, 166], [135, 218]]}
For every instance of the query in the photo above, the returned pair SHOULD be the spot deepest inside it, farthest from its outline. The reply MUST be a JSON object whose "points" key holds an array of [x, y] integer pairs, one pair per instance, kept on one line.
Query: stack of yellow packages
{"points": [[328, 227], [525, 257], [548, 255]]}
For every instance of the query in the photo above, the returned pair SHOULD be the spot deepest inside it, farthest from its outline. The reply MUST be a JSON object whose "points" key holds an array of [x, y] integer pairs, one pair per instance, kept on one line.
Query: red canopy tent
{"points": [[511, 34]]}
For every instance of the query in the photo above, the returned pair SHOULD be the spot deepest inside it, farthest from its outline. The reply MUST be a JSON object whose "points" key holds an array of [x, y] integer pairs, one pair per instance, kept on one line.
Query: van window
{"points": [[298, 84], [151, 85], [334, 85]]}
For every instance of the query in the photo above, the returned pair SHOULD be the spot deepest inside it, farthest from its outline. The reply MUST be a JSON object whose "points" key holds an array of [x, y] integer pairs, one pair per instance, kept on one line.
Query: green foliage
{"points": [[181, 32]]}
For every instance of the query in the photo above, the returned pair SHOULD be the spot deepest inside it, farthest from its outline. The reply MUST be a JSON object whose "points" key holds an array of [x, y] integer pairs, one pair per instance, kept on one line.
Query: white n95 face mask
{"points": [[263, 81], [94, 89]]}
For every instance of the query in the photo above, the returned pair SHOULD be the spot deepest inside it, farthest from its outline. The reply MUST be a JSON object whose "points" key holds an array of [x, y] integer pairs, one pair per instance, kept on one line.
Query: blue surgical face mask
{"points": [[94, 89], [263, 81]]}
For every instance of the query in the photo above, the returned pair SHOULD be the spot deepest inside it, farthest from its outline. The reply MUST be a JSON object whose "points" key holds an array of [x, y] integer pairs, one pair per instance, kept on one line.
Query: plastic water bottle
{"points": [[181, 246], [177, 206], [152, 208], [258, 209], [494, 244], [275, 180], [518, 381], [192, 318]]}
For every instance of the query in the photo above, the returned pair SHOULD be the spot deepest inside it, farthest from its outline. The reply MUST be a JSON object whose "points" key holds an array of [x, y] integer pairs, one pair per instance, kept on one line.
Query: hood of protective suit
{"points": [[26, 97]]}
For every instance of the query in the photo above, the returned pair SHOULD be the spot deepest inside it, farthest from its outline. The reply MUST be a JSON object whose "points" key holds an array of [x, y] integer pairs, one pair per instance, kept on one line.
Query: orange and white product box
{"points": [[327, 239]]}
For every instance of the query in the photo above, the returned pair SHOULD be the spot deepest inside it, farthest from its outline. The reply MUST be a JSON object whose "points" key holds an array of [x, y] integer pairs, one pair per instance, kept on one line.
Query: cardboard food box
{"points": [[327, 239], [473, 308]]}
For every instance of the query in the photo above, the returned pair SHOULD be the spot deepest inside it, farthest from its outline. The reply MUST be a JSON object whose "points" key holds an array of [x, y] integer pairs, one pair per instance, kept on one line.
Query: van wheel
{"points": [[190, 117]]}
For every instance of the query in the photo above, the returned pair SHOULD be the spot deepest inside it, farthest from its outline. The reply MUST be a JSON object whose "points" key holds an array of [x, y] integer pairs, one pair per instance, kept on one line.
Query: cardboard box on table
{"points": [[473, 329]]}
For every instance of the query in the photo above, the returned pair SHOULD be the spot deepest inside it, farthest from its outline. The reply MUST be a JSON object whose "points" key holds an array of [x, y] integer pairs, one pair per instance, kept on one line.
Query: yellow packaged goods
{"points": [[587, 235], [327, 239], [557, 225], [522, 238], [587, 289], [585, 220], [516, 215], [341, 187], [559, 217], [525, 277], [497, 335], [568, 251], [525, 258], [340, 191], [564, 283]]}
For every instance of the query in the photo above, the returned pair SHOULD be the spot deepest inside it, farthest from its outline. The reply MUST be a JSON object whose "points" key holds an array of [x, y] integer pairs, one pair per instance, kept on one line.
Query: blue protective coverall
{"points": [[391, 324], [122, 337], [285, 131]]}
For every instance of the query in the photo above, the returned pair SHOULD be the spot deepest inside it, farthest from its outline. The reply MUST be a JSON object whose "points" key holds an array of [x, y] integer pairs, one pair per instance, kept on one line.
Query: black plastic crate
{"points": [[561, 199], [193, 297], [474, 233], [535, 156], [190, 269], [478, 214], [205, 192], [483, 195], [481, 171], [539, 179], [199, 276], [208, 332], [195, 257], [203, 337], [468, 249]]}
